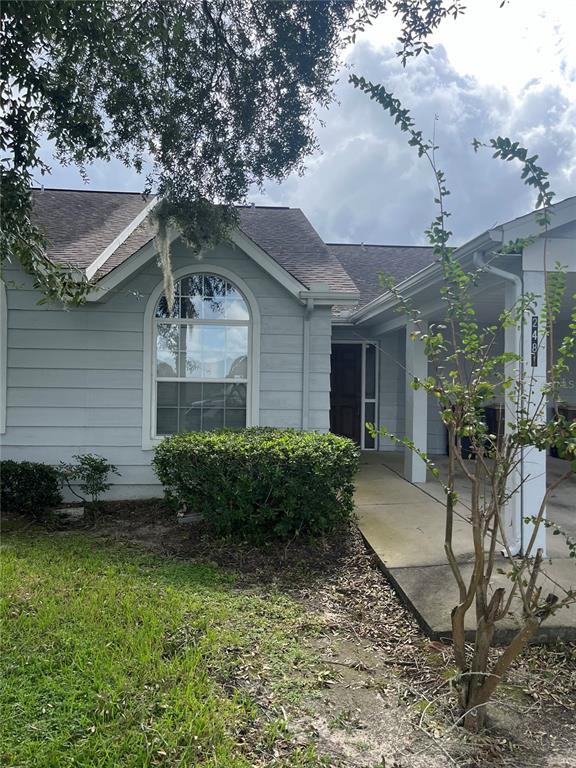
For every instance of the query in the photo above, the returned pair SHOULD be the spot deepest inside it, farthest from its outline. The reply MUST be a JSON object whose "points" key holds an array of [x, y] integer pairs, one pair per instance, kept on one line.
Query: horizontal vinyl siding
{"points": [[70, 377], [320, 361], [92, 339], [58, 359], [63, 397], [393, 397], [75, 376]]}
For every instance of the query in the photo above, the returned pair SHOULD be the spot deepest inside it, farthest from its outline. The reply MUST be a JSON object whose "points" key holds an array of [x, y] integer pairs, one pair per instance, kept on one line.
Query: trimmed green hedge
{"points": [[28, 487], [261, 483]]}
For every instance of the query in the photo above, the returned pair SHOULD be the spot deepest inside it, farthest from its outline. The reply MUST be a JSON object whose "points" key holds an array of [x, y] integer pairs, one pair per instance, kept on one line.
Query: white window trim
{"points": [[3, 356], [149, 439]]}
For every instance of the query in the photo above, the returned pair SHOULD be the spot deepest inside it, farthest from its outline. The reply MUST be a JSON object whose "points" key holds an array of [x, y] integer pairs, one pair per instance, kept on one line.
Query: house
{"points": [[272, 327]]}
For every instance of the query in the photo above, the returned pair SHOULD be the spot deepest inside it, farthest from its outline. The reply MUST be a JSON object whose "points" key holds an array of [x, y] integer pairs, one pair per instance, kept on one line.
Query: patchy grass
{"points": [[135, 641], [113, 657]]}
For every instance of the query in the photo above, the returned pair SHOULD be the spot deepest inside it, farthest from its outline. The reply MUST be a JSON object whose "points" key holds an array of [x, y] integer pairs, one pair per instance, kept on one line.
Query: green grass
{"points": [[112, 657]]}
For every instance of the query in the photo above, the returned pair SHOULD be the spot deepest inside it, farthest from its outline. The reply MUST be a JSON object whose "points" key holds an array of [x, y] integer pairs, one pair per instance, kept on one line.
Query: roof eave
{"points": [[423, 278]]}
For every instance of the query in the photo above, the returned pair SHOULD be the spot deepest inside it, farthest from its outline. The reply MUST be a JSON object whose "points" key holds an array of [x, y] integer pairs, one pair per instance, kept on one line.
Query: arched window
{"points": [[201, 353]]}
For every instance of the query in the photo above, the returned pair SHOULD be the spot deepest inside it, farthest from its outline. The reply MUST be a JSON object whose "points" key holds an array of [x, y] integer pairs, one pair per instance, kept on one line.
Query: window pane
{"points": [[237, 368], [369, 417], [213, 308], [370, 392], [235, 418], [212, 418], [162, 307], [190, 307], [214, 286], [191, 286], [166, 421], [213, 352], [236, 309], [191, 345], [167, 393], [191, 394], [213, 395], [166, 349], [236, 351], [190, 419], [235, 395]]}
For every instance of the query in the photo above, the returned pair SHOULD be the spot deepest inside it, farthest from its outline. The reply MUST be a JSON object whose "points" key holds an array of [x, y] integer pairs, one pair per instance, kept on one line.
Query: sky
{"points": [[507, 71]]}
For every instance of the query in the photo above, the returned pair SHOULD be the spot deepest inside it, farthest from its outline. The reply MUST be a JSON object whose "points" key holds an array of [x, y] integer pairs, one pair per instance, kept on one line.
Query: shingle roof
{"points": [[80, 224], [365, 263], [287, 236]]}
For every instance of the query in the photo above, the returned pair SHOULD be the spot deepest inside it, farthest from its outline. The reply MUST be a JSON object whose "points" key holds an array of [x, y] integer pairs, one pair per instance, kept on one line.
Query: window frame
{"points": [[252, 380]]}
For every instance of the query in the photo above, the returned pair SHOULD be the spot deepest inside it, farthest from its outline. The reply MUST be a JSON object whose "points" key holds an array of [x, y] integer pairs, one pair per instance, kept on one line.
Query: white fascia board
{"points": [[329, 298], [122, 237], [127, 268], [422, 279], [239, 239], [562, 213]]}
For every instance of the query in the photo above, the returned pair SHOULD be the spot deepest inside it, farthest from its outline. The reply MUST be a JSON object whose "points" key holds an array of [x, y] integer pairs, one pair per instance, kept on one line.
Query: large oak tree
{"points": [[209, 96]]}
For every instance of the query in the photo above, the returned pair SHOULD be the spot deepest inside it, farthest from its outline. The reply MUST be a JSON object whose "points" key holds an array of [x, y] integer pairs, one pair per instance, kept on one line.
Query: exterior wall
{"points": [[391, 388], [392, 385], [74, 377]]}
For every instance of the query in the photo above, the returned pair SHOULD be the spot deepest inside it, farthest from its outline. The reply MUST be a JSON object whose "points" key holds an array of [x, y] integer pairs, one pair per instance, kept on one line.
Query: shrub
{"points": [[28, 487], [90, 472], [261, 483]]}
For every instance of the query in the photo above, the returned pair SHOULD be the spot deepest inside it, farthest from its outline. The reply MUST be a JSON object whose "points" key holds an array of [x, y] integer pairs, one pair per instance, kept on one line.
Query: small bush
{"points": [[29, 488], [90, 472], [261, 483]]}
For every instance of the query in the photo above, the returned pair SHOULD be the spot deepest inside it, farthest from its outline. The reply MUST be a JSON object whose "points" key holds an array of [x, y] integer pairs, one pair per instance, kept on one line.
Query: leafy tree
{"points": [[466, 373], [211, 95]]}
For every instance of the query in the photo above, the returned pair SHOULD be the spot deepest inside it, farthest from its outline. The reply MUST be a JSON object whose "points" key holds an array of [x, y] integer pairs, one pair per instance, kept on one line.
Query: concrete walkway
{"points": [[404, 525]]}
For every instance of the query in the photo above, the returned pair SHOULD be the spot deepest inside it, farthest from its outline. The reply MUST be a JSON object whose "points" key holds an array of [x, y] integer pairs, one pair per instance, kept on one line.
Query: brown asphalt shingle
{"points": [[81, 224], [365, 264]]}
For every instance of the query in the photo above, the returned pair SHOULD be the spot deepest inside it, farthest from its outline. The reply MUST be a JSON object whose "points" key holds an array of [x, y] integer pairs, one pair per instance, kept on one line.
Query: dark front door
{"points": [[346, 390]]}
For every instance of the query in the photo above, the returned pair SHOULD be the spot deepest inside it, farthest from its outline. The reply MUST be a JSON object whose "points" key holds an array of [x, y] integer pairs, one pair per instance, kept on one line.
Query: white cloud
{"points": [[368, 185], [509, 71]]}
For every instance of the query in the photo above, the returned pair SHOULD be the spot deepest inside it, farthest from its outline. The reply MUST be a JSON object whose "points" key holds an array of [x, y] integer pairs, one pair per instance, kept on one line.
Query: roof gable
{"points": [[81, 225]]}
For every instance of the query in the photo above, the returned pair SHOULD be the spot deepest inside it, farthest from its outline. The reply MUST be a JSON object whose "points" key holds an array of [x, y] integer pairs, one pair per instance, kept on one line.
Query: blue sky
{"points": [[508, 71]]}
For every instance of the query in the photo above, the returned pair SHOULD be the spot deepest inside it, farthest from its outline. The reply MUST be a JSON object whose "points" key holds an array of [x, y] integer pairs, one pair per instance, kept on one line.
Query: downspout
{"points": [[306, 363], [515, 283]]}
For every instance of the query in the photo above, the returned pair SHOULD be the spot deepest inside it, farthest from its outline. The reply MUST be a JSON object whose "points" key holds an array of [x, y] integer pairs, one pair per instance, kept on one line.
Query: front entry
{"points": [[346, 391]]}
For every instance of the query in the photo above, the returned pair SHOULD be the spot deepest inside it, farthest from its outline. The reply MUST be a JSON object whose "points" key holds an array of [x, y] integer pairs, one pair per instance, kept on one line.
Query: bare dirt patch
{"points": [[384, 690]]}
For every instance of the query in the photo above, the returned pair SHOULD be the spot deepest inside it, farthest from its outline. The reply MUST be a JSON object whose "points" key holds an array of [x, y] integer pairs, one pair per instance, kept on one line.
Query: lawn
{"points": [[139, 642], [112, 656]]}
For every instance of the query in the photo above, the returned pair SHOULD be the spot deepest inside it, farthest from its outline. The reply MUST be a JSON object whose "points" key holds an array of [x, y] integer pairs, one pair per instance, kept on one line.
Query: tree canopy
{"points": [[207, 96]]}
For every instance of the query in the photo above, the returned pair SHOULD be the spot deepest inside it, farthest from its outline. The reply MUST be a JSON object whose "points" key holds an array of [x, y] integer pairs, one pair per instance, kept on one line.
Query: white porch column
{"points": [[534, 361], [513, 345], [416, 427]]}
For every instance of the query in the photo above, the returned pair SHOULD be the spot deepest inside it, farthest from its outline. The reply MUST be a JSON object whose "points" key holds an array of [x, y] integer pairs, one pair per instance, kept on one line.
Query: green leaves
{"points": [[261, 483], [29, 488], [213, 96], [90, 472]]}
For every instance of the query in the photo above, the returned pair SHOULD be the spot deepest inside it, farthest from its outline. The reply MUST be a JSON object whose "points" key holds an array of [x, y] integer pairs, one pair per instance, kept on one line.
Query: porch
{"points": [[403, 523]]}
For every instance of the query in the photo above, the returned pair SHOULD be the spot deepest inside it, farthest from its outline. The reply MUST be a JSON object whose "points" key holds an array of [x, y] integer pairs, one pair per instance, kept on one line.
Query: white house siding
{"points": [[74, 379]]}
